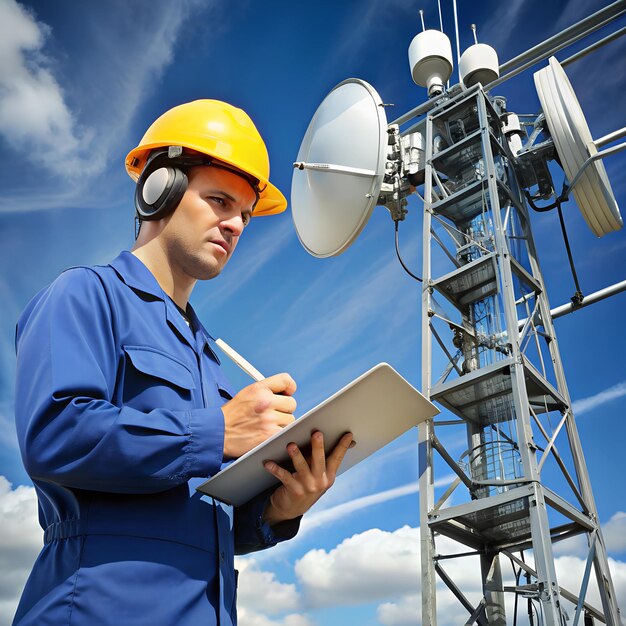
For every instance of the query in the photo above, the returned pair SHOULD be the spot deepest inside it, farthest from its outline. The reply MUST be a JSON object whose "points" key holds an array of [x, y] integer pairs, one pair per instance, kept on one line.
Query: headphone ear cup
{"points": [[159, 192]]}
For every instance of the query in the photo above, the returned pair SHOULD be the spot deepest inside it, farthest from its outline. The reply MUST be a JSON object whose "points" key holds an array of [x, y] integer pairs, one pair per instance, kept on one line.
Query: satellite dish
{"points": [[340, 167], [574, 145]]}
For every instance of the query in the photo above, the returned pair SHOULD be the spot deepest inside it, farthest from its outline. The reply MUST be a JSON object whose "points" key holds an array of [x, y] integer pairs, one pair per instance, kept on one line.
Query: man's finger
{"points": [[318, 456], [284, 404], [280, 383], [336, 456], [300, 464], [281, 473], [283, 419]]}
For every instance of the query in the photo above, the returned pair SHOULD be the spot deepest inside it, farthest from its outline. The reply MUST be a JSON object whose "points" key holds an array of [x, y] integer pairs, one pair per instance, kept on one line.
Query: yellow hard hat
{"points": [[219, 130]]}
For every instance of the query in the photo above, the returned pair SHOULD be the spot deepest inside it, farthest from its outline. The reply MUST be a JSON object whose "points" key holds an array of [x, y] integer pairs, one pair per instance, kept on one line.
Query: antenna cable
{"points": [[406, 269], [577, 298]]}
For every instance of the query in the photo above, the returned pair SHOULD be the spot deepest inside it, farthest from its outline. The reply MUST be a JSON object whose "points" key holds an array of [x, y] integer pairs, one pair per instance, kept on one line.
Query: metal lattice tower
{"points": [[522, 483]]}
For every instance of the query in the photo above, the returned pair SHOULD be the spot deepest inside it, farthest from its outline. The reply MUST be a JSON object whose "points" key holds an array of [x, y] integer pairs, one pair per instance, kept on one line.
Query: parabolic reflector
{"points": [[340, 168], [574, 145]]}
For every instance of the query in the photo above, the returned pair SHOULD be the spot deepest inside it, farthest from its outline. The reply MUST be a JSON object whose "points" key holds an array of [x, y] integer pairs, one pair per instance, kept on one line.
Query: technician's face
{"points": [[202, 233]]}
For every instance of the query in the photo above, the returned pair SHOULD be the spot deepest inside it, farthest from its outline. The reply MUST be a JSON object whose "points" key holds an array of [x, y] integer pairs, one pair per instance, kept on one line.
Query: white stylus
{"points": [[239, 360]]}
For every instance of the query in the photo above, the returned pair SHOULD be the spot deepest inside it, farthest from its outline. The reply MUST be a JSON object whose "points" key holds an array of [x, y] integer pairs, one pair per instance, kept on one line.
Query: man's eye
{"points": [[219, 201], [245, 218]]}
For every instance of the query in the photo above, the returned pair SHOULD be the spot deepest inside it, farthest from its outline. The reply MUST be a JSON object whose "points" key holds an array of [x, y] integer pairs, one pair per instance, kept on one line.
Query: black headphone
{"points": [[163, 182], [161, 186]]}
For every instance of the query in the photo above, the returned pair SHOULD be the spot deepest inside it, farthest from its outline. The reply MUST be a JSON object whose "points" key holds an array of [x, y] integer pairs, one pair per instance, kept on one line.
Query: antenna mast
{"points": [[522, 483]]}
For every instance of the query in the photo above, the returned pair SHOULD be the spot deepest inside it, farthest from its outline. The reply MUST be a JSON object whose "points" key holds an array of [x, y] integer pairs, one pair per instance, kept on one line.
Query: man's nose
{"points": [[233, 224]]}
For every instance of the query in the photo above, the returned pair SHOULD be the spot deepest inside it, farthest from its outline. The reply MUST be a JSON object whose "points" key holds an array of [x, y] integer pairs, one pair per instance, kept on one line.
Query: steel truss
{"points": [[522, 483]]}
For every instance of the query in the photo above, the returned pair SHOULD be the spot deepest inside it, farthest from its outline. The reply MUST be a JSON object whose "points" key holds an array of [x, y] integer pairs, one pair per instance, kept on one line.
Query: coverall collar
{"points": [[138, 277]]}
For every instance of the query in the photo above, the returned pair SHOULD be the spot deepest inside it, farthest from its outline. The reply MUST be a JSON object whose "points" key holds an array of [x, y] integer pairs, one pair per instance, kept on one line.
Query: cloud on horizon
{"points": [[374, 566], [20, 542]]}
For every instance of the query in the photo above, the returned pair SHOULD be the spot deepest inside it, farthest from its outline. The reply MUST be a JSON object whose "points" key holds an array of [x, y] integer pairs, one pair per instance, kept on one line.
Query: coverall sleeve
{"points": [[70, 432], [252, 533]]}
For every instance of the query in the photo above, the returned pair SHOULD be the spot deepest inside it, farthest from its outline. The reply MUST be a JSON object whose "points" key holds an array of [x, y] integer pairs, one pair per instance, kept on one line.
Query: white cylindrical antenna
{"points": [[422, 18], [430, 60], [440, 16], [478, 64], [473, 27]]}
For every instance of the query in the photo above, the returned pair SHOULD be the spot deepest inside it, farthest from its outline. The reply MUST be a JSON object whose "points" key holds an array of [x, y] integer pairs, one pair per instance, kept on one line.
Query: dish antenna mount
{"points": [[577, 151], [349, 161]]}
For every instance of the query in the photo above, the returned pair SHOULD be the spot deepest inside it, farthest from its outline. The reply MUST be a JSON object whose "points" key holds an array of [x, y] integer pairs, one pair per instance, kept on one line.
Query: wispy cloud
{"points": [[374, 17], [339, 311], [74, 134], [8, 436], [347, 508], [34, 116], [493, 32], [315, 520], [253, 254], [573, 11], [593, 402]]}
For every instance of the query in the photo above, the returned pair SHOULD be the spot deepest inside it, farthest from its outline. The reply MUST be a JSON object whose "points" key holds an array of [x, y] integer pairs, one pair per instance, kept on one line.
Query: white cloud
{"points": [[259, 590], [71, 122], [247, 617], [570, 570], [373, 565], [260, 594], [385, 566], [34, 116], [614, 533], [402, 613], [588, 404], [20, 542]]}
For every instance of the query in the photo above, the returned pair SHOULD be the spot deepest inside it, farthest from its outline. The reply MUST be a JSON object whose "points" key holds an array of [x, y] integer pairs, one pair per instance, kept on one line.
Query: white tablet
{"points": [[376, 408]]}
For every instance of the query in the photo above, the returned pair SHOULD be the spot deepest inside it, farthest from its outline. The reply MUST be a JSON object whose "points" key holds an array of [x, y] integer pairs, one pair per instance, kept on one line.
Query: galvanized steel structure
{"points": [[490, 355]]}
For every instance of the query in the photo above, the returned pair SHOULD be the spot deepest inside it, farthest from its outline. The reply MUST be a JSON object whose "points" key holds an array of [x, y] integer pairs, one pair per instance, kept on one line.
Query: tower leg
{"points": [[493, 589]]}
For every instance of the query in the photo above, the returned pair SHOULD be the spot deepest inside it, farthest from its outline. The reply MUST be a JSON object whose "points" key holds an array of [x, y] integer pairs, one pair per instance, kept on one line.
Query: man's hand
{"points": [[309, 482], [257, 412]]}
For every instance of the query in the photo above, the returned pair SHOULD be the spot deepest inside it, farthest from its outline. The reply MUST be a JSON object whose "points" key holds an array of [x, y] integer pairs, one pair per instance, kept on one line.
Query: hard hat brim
{"points": [[271, 201]]}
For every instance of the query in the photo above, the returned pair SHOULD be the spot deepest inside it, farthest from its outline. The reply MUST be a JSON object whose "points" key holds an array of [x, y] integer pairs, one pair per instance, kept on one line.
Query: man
{"points": [[122, 408]]}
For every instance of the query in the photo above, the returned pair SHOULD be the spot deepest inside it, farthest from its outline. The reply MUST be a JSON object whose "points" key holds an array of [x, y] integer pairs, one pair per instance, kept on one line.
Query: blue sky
{"points": [[79, 84]]}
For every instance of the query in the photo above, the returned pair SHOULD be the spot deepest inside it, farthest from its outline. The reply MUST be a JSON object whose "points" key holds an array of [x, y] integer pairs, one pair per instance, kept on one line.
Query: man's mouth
{"points": [[222, 244]]}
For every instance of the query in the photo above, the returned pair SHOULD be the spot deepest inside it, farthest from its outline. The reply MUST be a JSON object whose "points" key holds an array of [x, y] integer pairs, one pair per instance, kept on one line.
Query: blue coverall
{"points": [[118, 419]]}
